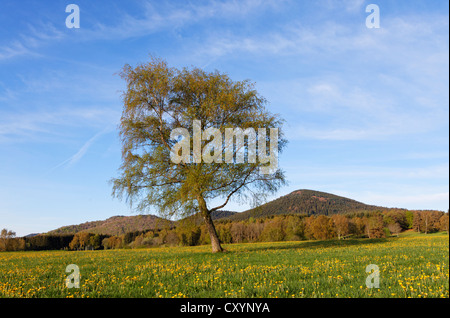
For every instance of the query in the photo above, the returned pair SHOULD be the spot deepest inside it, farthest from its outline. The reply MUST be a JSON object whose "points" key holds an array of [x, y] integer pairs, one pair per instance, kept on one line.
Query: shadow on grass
{"points": [[251, 247]]}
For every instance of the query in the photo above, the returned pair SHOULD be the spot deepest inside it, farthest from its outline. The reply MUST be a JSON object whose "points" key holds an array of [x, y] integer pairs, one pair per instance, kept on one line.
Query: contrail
{"points": [[82, 151]]}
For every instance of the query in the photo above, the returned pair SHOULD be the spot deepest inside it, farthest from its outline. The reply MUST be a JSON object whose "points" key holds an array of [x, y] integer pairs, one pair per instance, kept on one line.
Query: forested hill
{"points": [[116, 225], [306, 202]]}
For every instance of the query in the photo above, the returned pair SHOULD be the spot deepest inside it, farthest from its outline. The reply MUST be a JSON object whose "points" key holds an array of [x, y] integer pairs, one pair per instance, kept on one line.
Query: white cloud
{"points": [[82, 150], [332, 39], [157, 17], [346, 5], [28, 42], [13, 49], [43, 125], [390, 82], [45, 106]]}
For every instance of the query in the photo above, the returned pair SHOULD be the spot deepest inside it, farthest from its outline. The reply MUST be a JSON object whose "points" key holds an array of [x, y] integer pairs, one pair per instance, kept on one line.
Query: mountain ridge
{"points": [[302, 201], [116, 225]]}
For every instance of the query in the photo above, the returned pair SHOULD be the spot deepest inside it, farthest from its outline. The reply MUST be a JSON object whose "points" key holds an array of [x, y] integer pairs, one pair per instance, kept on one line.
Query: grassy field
{"points": [[410, 266]]}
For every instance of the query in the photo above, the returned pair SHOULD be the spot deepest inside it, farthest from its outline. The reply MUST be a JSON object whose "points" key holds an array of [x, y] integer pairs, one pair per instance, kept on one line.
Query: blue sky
{"points": [[366, 109]]}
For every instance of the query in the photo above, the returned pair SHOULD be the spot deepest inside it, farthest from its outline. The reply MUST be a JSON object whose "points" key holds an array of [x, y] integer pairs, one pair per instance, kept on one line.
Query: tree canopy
{"points": [[161, 104]]}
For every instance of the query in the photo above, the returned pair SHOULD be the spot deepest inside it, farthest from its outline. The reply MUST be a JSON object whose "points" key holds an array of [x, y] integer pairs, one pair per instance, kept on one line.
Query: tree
{"points": [[359, 226], [294, 228], [189, 235], [181, 176], [435, 217], [5, 234], [426, 221], [112, 242], [274, 230], [254, 230], [375, 226], [82, 240], [95, 241], [309, 234], [75, 243], [409, 215], [341, 225], [394, 228], [396, 216], [7, 240], [417, 221], [443, 223], [322, 227], [224, 232], [237, 232]]}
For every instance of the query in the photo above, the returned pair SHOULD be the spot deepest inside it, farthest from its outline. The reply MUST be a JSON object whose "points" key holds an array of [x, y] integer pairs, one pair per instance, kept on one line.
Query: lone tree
{"points": [[164, 169]]}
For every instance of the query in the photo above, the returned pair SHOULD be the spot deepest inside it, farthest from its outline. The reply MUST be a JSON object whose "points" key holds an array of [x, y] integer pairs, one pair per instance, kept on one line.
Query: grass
{"points": [[410, 266]]}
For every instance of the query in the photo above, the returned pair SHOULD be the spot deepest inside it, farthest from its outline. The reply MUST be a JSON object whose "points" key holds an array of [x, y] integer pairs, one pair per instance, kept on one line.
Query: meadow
{"points": [[410, 266]]}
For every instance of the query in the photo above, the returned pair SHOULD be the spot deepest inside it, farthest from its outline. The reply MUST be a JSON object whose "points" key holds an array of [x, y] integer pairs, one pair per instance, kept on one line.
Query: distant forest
{"points": [[287, 227]]}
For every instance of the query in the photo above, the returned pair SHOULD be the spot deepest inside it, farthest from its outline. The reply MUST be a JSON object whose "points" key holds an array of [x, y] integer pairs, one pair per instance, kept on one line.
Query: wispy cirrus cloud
{"points": [[331, 39], [28, 42], [52, 104], [13, 49], [42, 125], [83, 149], [152, 17], [165, 16], [369, 80]]}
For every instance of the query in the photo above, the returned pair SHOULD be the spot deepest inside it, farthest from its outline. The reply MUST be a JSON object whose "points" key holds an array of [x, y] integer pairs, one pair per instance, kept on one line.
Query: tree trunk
{"points": [[206, 214], [215, 243]]}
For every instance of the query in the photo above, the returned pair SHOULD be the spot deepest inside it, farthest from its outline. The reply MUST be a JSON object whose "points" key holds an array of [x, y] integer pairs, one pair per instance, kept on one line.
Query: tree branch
{"points": [[231, 193]]}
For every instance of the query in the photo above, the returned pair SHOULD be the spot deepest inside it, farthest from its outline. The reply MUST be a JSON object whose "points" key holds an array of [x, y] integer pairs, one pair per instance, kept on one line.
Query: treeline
{"points": [[289, 228], [269, 229], [9, 242], [321, 227]]}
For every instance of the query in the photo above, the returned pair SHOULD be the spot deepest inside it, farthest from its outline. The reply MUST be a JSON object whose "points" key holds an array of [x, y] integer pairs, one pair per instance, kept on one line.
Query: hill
{"points": [[219, 214], [120, 224], [116, 225], [307, 202], [197, 219]]}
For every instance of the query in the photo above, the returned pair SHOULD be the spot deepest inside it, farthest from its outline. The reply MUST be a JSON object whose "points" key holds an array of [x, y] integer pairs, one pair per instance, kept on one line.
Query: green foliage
{"points": [[189, 236], [85, 240], [409, 216], [273, 231], [159, 99]]}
